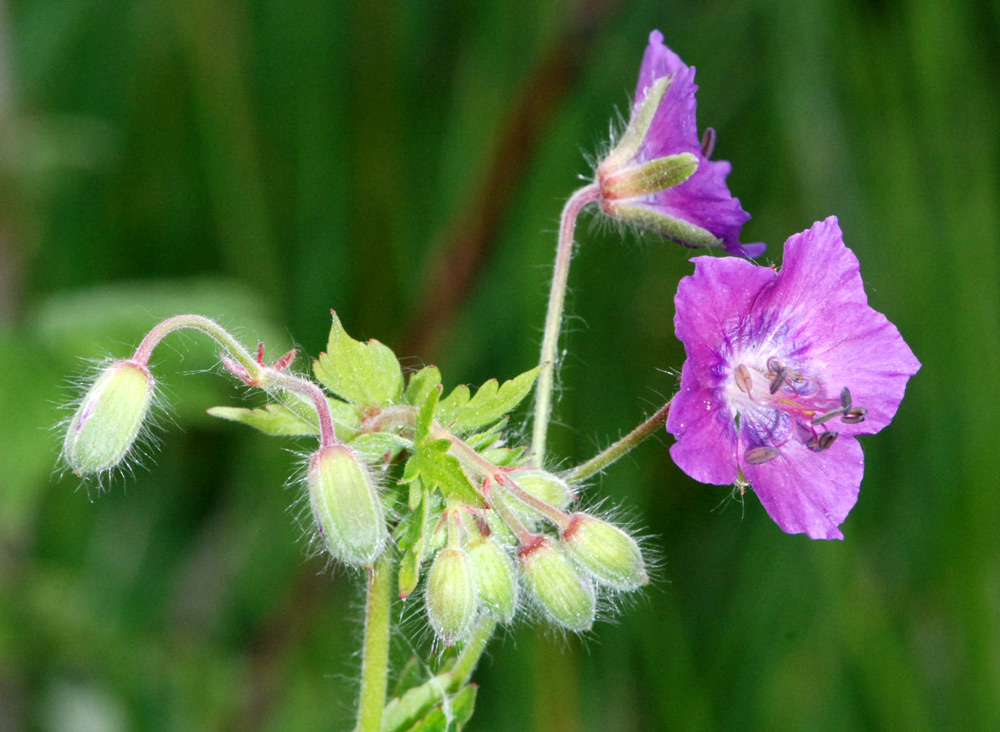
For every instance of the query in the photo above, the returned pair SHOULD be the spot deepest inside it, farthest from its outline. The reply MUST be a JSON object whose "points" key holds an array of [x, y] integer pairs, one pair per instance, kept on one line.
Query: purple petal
{"points": [[860, 349], [705, 431], [808, 492], [819, 290], [703, 199], [818, 274], [712, 303]]}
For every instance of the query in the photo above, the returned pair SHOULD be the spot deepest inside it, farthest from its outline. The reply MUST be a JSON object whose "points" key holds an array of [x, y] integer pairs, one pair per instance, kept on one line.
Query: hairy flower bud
{"points": [[496, 582], [561, 591], [108, 420], [604, 551], [451, 595], [346, 505], [545, 486]]}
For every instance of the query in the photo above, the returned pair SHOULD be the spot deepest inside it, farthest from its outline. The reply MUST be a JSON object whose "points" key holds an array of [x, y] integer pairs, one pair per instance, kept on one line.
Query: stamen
{"points": [[827, 416], [708, 142], [854, 416], [845, 398], [823, 441], [780, 374], [743, 379], [759, 455]]}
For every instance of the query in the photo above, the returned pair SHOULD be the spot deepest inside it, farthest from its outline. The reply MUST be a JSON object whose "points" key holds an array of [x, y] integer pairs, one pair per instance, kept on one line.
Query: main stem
{"points": [[553, 318], [375, 654]]}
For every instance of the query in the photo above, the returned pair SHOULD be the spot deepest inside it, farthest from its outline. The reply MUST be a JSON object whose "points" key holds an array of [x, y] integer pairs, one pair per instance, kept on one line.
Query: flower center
{"points": [[776, 403]]}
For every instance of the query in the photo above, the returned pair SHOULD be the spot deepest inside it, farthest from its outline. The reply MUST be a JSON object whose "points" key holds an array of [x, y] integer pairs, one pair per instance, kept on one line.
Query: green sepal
{"points": [[681, 231], [365, 374], [491, 402], [421, 383]]}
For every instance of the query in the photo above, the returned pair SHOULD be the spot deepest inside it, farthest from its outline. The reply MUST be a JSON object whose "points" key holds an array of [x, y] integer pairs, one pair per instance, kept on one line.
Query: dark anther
{"points": [[845, 398], [758, 455], [854, 416], [823, 441], [827, 416], [775, 367], [708, 142]]}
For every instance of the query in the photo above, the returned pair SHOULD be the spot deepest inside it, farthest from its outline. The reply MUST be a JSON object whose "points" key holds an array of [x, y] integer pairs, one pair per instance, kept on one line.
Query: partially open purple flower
{"points": [[659, 176], [783, 370]]}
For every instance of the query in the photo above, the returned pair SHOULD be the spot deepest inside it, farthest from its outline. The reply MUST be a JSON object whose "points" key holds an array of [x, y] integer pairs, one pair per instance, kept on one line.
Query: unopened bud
{"points": [[545, 486], [604, 551], [496, 582], [108, 420], [451, 595], [346, 505], [561, 591]]}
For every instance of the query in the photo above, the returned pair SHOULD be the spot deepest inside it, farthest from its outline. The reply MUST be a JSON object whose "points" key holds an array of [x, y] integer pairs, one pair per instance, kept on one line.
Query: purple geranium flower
{"points": [[783, 370], [659, 176]]}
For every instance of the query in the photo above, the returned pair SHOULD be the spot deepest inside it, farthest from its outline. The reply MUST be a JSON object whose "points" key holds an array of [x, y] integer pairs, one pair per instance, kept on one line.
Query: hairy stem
{"points": [[553, 317], [375, 652], [465, 664], [616, 450], [205, 325]]}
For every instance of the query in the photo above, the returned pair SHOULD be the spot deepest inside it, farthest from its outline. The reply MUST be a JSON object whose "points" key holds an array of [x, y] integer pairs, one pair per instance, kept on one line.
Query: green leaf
{"points": [[442, 471], [436, 721], [463, 704], [421, 383], [412, 674], [490, 403], [377, 447], [409, 535], [279, 420], [273, 419], [365, 374]]}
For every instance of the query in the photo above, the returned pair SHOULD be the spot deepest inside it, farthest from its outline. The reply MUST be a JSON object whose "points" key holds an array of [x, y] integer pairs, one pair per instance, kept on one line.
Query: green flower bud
{"points": [[346, 505], [108, 420], [604, 551], [496, 582], [562, 592], [545, 486], [451, 595]]}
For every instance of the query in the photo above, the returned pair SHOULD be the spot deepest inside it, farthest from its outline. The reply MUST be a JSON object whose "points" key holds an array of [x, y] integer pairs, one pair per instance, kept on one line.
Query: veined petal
{"points": [[808, 492], [705, 431], [713, 304]]}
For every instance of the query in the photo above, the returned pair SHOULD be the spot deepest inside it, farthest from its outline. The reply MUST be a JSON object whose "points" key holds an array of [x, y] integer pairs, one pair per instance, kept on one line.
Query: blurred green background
{"points": [[263, 161]]}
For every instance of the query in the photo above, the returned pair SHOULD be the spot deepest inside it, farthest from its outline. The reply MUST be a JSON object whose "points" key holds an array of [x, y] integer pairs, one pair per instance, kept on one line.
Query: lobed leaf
{"points": [[491, 402], [365, 374]]}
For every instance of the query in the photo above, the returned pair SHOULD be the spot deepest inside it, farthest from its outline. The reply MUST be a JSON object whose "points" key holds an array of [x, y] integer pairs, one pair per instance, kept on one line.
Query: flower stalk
{"points": [[619, 449], [553, 317], [375, 651]]}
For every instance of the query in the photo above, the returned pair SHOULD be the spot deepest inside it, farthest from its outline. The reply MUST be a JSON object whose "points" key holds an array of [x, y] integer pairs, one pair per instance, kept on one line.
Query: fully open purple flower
{"points": [[659, 176], [783, 370]]}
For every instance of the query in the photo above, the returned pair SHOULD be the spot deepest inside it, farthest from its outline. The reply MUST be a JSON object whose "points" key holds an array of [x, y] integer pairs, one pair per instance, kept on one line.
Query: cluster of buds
{"points": [[562, 572]]}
